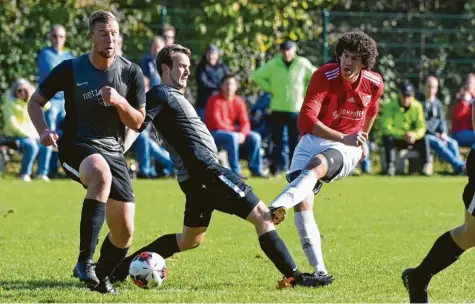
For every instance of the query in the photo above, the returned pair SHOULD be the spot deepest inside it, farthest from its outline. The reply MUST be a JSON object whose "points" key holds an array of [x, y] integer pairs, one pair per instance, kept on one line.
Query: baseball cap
{"points": [[287, 45], [407, 89]]}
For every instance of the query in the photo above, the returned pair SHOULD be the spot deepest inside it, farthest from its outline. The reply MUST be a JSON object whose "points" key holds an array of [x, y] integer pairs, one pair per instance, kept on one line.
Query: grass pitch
{"points": [[373, 227]]}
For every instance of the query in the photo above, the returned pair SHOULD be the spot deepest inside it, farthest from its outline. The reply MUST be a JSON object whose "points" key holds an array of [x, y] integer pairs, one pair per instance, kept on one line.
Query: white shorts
{"points": [[309, 146]]}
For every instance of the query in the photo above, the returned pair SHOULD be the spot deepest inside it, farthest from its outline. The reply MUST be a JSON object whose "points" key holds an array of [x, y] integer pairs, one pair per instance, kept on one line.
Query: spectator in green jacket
{"points": [[404, 127], [285, 77]]}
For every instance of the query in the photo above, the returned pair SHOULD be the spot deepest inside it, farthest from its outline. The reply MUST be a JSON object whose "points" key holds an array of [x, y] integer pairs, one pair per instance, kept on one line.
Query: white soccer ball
{"points": [[148, 270]]}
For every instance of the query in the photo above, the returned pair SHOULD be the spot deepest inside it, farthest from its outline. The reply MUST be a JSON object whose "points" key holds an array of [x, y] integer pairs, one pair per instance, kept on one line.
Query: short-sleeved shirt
{"points": [[88, 119], [339, 104], [148, 65], [190, 144]]}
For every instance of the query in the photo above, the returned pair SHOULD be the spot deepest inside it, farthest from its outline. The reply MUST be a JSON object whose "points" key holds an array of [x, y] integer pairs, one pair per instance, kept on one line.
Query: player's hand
{"points": [[241, 138], [355, 139], [111, 96], [364, 152], [49, 138]]}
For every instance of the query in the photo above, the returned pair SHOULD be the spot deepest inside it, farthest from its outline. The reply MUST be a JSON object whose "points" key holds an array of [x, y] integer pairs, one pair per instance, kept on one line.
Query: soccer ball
{"points": [[148, 270]]}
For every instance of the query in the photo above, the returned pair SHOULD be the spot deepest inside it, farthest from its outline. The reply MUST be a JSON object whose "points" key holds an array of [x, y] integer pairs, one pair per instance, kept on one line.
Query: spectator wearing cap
{"points": [[404, 126], [446, 147], [227, 119], [285, 77], [209, 74]]}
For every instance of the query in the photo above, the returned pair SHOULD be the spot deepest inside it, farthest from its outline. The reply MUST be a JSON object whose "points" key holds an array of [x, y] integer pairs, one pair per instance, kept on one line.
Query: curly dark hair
{"points": [[358, 42]]}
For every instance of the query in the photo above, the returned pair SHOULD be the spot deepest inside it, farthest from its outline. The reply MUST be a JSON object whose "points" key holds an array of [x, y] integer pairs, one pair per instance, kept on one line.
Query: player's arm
{"points": [[130, 137], [132, 108], [55, 82], [373, 110]]}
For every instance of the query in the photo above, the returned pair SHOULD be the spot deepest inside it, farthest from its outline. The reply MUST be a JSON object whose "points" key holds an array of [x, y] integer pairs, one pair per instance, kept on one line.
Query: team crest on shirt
{"points": [[366, 99]]}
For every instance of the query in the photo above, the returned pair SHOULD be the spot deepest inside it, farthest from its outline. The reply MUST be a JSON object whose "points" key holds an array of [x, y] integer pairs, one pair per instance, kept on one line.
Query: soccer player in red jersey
{"points": [[339, 109]]}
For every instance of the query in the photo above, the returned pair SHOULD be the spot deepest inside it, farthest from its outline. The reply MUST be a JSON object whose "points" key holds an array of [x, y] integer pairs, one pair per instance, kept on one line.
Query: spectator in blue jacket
{"points": [[48, 58], [446, 147], [209, 74], [148, 63]]}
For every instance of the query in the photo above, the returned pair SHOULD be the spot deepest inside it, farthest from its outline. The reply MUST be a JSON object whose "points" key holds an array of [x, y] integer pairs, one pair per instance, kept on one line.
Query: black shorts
{"points": [[71, 156], [217, 188], [469, 191]]}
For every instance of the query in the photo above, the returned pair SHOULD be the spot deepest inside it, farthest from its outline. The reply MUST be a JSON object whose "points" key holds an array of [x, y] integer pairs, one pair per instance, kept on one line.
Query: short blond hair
{"points": [[100, 16]]}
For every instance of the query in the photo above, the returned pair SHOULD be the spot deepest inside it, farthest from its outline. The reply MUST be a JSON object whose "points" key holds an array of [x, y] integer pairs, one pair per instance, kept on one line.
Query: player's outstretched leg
{"points": [[445, 251], [277, 251], [310, 238], [165, 246], [120, 219], [95, 174], [299, 188]]}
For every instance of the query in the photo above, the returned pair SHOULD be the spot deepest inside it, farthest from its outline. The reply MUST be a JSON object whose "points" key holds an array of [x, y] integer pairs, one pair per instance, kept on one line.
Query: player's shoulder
{"points": [[161, 94], [127, 64], [329, 71], [372, 77]]}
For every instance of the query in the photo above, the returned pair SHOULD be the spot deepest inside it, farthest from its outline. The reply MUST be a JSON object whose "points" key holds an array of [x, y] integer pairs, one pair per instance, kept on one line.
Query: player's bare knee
{"points": [[319, 165]]}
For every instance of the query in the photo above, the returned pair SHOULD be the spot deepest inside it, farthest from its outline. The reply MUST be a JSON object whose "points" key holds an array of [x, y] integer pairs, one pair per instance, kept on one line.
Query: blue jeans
{"points": [[465, 138], [47, 160], [448, 151], [29, 147], [228, 141], [147, 150]]}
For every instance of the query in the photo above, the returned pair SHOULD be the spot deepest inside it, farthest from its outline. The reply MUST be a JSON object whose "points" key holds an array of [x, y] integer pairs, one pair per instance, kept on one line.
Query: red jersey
{"points": [[337, 103]]}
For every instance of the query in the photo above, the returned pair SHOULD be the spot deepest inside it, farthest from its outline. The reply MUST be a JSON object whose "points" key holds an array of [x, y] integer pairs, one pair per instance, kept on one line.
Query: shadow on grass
{"points": [[38, 285]]}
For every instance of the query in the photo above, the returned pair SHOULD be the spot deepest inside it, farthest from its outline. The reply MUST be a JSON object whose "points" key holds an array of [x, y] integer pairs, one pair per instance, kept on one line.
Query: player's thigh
{"points": [[120, 220], [198, 206], [230, 194], [94, 168], [342, 160], [121, 185]]}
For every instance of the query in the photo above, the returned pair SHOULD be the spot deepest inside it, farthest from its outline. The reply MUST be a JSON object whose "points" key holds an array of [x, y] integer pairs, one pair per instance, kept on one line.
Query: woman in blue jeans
{"points": [[17, 124]]}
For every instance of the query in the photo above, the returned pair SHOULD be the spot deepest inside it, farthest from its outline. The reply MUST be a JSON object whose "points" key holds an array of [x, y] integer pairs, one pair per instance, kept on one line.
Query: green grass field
{"points": [[373, 228]]}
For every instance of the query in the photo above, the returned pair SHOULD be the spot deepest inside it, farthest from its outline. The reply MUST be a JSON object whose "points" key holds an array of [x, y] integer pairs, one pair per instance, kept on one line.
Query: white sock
{"points": [[310, 239], [296, 191]]}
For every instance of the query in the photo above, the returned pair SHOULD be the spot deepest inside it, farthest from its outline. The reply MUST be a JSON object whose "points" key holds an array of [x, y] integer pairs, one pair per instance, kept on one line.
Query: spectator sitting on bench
{"points": [[404, 126], [227, 119], [446, 147], [17, 124], [462, 130]]}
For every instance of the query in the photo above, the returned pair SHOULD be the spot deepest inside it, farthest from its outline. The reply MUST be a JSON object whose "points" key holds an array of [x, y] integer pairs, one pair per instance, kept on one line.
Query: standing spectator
{"points": [[286, 77], [148, 63], [17, 124], [228, 121], [446, 147], [462, 130], [209, 74], [48, 58], [403, 125], [168, 33]]}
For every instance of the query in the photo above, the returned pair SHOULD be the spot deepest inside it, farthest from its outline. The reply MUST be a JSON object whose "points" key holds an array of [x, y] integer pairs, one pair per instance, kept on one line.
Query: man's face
{"points": [[156, 47], [431, 87], [288, 55], [169, 37], [350, 64], [105, 38], [179, 72], [404, 100], [229, 87], [58, 38]]}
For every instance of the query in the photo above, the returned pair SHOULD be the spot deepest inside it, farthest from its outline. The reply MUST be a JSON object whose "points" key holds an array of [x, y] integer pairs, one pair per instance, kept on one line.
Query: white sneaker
{"points": [[43, 177], [25, 178]]}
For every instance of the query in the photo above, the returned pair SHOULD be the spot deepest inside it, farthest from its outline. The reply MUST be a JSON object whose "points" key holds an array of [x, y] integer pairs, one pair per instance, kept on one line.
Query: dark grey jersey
{"points": [[184, 135], [88, 118]]}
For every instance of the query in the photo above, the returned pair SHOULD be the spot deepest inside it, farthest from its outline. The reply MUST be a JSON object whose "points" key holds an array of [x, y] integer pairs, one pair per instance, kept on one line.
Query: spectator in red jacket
{"points": [[462, 130], [227, 119]]}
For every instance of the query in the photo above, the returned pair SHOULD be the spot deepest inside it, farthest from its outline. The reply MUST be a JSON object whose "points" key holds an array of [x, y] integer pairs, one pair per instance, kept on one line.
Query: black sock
{"points": [[443, 253], [92, 219], [110, 257], [165, 246], [277, 252]]}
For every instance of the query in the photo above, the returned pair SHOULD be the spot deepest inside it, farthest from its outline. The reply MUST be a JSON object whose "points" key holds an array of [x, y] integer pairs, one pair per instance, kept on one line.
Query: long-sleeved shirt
{"points": [[228, 115], [17, 122], [435, 116], [462, 116], [397, 120], [287, 84], [48, 58]]}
